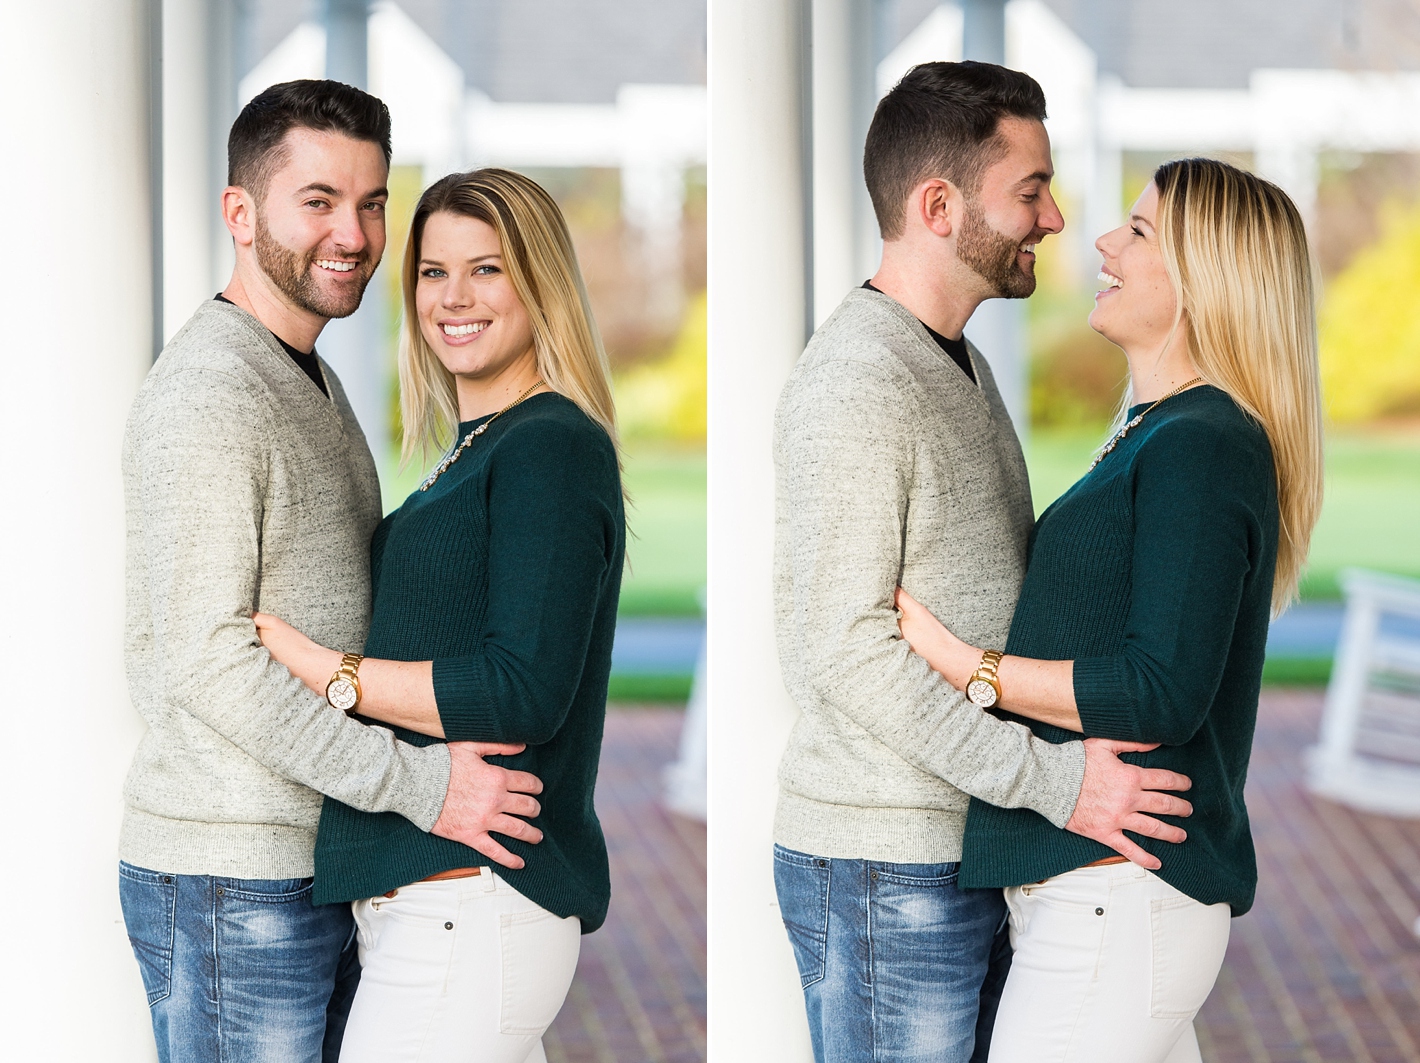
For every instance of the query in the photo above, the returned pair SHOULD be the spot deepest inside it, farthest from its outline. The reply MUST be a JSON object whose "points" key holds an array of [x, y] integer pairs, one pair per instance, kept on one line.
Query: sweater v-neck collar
{"points": [[924, 340], [272, 345]]}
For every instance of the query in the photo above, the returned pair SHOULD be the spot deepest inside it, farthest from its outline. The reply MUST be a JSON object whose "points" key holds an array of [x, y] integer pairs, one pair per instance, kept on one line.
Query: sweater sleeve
{"points": [[201, 483], [553, 518], [845, 460], [1199, 492]]}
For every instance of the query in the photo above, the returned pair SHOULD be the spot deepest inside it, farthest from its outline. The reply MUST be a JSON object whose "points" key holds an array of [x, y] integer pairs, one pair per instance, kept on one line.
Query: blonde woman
{"points": [[495, 592], [1144, 615]]}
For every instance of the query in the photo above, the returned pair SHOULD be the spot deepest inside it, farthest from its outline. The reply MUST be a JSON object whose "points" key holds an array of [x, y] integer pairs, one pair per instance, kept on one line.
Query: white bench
{"points": [[1368, 755]]}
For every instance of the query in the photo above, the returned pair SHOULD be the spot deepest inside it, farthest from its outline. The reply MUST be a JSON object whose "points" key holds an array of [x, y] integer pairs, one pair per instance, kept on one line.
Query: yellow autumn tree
{"points": [[1369, 327], [665, 399]]}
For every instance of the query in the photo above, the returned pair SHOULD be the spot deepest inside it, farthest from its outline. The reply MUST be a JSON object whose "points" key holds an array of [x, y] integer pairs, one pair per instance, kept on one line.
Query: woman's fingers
{"points": [[1117, 746], [496, 749], [1163, 779]]}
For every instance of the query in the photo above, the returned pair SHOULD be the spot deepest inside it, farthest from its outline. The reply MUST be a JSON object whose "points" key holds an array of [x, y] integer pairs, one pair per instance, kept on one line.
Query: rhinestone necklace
{"points": [[443, 465], [1134, 422]]}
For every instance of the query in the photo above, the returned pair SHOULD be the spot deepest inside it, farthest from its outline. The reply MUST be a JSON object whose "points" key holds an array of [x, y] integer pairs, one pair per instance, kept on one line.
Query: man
{"points": [[249, 484], [897, 464]]}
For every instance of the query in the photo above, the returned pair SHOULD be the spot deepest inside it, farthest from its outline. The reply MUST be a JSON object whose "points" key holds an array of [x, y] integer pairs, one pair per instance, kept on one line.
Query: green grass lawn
{"points": [[1370, 518], [665, 549]]}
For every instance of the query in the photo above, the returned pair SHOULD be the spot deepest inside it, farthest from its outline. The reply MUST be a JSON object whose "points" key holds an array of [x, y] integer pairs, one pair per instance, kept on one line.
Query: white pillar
{"points": [[75, 296], [199, 96], [845, 242], [358, 347], [757, 281], [998, 328]]}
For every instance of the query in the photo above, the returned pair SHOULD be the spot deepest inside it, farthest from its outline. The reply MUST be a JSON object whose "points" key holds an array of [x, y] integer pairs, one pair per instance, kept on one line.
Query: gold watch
{"points": [[984, 688], [343, 690]]}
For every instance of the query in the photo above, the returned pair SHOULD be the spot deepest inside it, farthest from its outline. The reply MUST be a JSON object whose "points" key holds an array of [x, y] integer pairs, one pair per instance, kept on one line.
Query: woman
{"points": [[495, 593], [1143, 617]]}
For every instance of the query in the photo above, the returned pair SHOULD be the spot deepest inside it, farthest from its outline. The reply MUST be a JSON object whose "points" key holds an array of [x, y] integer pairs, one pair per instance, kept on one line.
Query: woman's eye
{"points": [[1135, 230], [431, 273]]}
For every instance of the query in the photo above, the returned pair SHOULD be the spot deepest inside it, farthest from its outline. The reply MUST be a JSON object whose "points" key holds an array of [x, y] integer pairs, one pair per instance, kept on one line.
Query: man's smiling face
{"points": [[320, 227], [1011, 211]]}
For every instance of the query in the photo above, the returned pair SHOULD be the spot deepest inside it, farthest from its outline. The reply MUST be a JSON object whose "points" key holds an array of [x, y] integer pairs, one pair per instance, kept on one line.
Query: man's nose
{"points": [[1050, 219], [349, 234]]}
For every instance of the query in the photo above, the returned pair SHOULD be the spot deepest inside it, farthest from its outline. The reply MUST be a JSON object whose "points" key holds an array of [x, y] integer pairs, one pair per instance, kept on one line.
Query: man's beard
{"points": [[291, 272], [993, 256]]}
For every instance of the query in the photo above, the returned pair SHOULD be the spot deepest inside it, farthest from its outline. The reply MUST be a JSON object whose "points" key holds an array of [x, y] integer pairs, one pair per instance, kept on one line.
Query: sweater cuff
{"points": [[1067, 772], [425, 785], [1100, 698], [460, 695]]}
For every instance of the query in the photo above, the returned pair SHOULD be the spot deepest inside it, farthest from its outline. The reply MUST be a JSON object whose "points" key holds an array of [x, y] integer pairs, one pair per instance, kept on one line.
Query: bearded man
{"points": [[248, 484], [896, 463]]}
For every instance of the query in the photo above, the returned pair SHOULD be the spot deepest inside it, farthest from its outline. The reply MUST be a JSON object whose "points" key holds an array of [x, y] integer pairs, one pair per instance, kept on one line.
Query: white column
{"points": [[844, 93], [757, 303], [998, 328], [358, 347], [75, 296], [195, 35]]}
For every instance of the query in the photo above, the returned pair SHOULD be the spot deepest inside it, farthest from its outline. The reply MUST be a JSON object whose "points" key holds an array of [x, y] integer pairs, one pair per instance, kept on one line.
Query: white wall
{"points": [[77, 336]]}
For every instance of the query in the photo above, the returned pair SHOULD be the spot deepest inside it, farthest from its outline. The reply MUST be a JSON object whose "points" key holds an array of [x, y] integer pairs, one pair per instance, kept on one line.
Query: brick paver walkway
{"points": [[1326, 966], [639, 995]]}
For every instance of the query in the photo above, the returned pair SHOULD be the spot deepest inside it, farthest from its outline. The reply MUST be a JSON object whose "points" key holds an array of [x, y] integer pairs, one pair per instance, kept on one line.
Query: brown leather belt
{"points": [[453, 872], [1108, 860]]}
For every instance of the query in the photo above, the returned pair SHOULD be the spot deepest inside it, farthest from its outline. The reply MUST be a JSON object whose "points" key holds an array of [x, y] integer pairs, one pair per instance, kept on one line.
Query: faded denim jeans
{"points": [[240, 970], [896, 963]]}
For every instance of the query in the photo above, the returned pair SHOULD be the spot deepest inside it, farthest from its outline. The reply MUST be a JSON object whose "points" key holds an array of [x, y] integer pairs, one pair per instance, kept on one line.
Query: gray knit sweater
{"points": [[894, 468], [247, 488]]}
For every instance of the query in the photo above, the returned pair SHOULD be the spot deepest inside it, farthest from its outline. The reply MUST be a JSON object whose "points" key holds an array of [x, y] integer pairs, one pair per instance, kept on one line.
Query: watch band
{"points": [[343, 690], [984, 687]]}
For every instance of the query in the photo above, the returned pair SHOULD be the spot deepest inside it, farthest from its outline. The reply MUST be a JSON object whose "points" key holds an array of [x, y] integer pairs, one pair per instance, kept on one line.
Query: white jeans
{"points": [[462, 969], [1111, 965]]}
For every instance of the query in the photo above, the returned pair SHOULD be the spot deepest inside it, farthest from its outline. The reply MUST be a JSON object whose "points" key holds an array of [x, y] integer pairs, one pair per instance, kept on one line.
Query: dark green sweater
{"points": [[506, 574], [1154, 575]]}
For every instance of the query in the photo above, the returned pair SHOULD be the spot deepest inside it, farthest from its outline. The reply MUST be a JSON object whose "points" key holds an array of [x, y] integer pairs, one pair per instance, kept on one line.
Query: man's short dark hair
{"points": [[255, 145], [941, 120]]}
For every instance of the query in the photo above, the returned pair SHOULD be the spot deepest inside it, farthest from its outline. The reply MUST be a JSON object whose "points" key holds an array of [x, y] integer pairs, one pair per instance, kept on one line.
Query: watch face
{"points": [[341, 693], [981, 693]]}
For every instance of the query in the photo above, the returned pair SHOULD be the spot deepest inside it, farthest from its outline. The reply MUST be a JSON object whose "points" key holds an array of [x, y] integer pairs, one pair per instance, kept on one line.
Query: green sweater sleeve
{"points": [[552, 507], [1199, 497]]}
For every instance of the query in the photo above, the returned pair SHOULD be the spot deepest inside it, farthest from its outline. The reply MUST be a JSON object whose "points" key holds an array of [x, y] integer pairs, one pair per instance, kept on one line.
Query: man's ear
{"points": [[239, 212], [934, 201]]}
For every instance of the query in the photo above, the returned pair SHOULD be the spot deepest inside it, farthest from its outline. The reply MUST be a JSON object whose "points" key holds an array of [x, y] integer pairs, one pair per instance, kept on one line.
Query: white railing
{"points": [[1368, 755]]}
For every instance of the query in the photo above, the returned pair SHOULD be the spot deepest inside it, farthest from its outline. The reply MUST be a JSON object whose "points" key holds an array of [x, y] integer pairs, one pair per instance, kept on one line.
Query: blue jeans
{"points": [[897, 964], [240, 970]]}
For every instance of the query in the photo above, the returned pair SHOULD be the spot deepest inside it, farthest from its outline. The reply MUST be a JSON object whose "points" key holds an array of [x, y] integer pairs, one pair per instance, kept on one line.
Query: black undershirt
{"points": [[308, 363], [955, 349]]}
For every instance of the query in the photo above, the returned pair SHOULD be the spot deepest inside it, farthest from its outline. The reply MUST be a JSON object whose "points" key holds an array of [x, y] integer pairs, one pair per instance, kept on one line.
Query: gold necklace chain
{"points": [[1134, 422], [443, 465]]}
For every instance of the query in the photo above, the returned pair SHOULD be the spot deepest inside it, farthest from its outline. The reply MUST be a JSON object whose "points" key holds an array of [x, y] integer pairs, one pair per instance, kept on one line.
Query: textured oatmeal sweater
{"points": [[246, 488], [893, 467]]}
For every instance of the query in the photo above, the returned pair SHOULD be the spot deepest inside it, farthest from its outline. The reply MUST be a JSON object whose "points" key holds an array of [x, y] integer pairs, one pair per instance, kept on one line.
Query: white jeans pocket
{"points": [[1188, 940], [539, 958]]}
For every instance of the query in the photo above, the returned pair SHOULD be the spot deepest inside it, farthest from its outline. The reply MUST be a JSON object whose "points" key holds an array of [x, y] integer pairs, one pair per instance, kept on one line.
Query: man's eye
{"points": [[375, 208], [317, 203]]}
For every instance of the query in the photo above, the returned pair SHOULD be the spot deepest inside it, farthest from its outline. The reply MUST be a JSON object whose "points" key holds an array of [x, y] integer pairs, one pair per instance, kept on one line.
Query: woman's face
{"points": [[1136, 309], [468, 311]]}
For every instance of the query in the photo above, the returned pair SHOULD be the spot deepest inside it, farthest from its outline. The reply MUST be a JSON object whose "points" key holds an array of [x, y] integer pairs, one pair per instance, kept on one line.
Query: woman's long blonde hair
{"points": [[1236, 252], [541, 263]]}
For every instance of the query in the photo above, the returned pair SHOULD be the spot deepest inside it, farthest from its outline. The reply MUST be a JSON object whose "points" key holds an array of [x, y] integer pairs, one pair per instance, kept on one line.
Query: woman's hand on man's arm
{"points": [[1037, 690], [400, 693]]}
